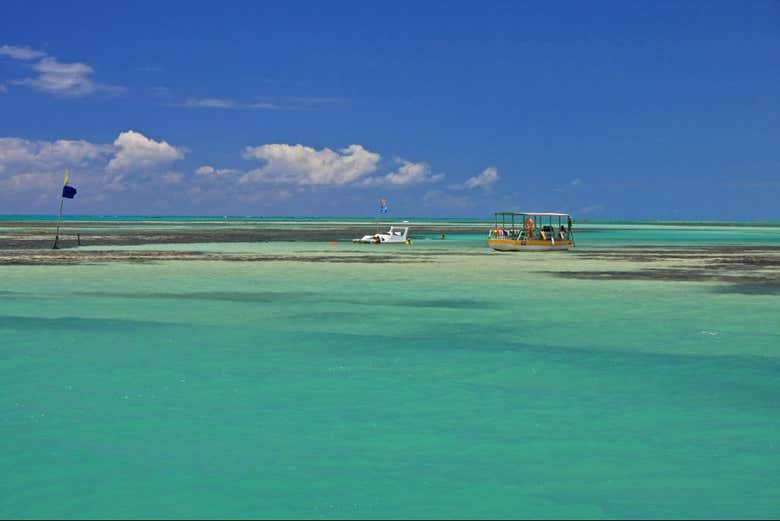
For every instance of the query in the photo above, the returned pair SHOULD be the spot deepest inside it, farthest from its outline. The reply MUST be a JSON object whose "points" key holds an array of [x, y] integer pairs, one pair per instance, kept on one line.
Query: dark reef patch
{"points": [[222, 296], [767, 287], [60, 257], [271, 297], [445, 304], [78, 324], [746, 284]]}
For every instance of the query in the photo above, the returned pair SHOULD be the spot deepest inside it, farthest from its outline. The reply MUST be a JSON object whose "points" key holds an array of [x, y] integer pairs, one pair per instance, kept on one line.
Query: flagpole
{"points": [[56, 245], [59, 220]]}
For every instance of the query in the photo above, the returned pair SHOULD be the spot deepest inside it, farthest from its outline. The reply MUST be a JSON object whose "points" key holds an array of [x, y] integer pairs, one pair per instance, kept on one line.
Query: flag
{"points": [[68, 191], [383, 206]]}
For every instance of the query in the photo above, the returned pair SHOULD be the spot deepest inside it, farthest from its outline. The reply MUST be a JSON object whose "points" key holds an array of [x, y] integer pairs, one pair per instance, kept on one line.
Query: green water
{"points": [[463, 384]]}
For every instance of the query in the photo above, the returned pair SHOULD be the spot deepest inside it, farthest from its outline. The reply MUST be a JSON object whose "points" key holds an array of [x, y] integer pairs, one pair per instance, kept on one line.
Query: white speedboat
{"points": [[396, 235]]}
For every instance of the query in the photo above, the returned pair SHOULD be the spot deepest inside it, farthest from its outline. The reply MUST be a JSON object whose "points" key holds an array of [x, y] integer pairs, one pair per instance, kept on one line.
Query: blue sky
{"points": [[656, 110]]}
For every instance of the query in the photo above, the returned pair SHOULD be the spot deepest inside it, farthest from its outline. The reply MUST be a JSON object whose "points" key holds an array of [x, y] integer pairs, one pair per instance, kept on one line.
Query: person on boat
{"points": [[562, 233], [529, 227]]}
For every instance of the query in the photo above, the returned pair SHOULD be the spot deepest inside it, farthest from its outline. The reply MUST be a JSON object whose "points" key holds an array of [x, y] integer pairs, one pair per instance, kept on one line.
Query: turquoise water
{"points": [[448, 382]]}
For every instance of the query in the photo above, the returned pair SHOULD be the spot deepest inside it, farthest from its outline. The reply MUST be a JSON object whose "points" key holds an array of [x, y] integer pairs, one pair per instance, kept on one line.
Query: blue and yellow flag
{"points": [[68, 191]]}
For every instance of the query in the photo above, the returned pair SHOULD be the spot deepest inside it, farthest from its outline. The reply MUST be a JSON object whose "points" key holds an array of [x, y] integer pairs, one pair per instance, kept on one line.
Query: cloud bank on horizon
{"points": [[141, 164]]}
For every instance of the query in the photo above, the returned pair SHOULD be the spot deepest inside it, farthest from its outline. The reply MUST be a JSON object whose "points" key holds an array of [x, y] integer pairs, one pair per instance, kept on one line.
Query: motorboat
{"points": [[396, 235]]}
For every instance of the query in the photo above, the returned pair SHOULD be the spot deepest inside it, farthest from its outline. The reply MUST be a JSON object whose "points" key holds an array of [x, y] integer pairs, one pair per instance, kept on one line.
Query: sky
{"points": [[620, 110]]}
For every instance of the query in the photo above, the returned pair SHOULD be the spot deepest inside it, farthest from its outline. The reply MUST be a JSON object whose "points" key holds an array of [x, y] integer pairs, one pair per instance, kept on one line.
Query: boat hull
{"points": [[518, 245], [361, 241]]}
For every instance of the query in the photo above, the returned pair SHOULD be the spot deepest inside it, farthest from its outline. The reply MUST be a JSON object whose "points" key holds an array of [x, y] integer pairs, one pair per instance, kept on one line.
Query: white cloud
{"points": [[37, 167], [131, 150], [485, 180], [71, 152], [407, 174], [31, 172], [207, 170], [67, 79], [130, 153], [262, 105], [20, 53], [3, 88], [259, 103], [301, 165], [30, 181], [210, 103], [55, 77], [43, 154], [14, 150], [136, 151], [224, 103]]}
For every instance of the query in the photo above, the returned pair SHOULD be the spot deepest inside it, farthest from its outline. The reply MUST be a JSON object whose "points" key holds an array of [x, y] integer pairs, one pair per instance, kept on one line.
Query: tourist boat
{"points": [[530, 231], [396, 235]]}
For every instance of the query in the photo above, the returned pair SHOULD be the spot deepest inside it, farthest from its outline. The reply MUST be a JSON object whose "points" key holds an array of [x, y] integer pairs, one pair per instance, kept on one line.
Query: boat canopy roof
{"points": [[536, 214]]}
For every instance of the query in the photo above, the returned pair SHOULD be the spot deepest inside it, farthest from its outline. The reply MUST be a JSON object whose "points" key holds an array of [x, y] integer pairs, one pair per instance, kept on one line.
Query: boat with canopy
{"points": [[531, 231]]}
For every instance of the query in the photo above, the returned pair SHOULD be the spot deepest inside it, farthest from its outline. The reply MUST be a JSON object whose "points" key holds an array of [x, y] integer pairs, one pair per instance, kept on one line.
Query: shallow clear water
{"points": [[458, 383]]}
